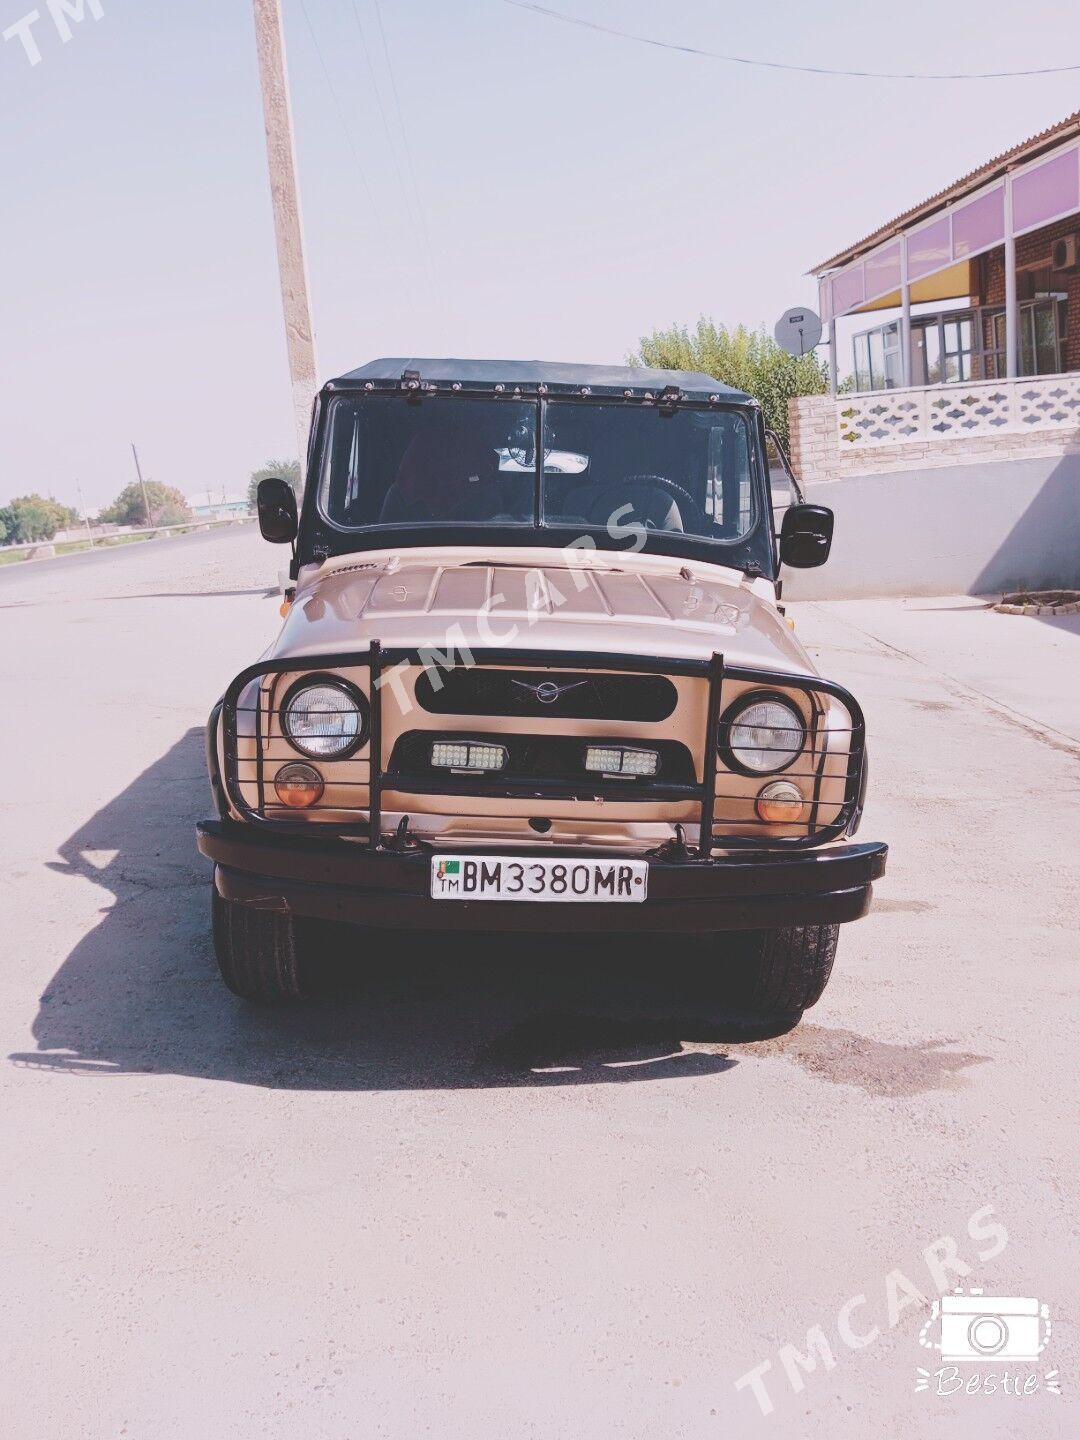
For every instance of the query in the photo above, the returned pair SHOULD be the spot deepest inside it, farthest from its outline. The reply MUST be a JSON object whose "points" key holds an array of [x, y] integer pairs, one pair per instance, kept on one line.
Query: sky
{"points": [[548, 192]]}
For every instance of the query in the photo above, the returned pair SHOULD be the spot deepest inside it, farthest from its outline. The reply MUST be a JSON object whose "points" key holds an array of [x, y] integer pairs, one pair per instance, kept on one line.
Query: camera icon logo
{"points": [[972, 1326]]}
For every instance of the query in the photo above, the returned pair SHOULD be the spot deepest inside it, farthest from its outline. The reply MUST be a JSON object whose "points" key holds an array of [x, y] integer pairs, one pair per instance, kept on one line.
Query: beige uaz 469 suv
{"points": [[534, 677]]}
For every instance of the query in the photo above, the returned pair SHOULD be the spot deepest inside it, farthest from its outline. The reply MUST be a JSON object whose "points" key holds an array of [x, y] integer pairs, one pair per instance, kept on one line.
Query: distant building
{"points": [[218, 504]]}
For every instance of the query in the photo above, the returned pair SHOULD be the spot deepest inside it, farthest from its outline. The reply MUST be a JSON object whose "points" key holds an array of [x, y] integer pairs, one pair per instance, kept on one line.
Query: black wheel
{"points": [[785, 971], [262, 955]]}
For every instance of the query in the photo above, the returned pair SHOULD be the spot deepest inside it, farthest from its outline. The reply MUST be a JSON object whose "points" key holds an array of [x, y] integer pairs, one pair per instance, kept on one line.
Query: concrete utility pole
{"points": [[85, 515], [142, 482], [281, 153]]}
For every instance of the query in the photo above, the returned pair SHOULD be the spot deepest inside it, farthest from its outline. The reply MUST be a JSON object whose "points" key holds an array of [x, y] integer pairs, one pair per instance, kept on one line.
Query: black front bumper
{"points": [[335, 879]]}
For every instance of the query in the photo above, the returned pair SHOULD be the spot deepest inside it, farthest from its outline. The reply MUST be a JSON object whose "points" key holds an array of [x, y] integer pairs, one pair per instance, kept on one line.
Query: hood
{"points": [[644, 605]]}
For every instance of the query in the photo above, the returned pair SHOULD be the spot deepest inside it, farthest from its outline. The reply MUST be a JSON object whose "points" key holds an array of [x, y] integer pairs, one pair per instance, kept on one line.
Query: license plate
{"points": [[501, 877]]}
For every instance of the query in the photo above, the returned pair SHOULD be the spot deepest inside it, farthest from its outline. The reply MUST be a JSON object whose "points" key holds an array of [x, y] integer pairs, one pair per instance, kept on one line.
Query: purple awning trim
{"points": [[979, 225], [1046, 191], [929, 249], [848, 289], [882, 271]]}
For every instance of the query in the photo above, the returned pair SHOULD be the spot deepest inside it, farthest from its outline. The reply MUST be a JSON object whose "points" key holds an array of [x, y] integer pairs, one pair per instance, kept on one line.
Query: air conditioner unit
{"points": [[1066, 253]]}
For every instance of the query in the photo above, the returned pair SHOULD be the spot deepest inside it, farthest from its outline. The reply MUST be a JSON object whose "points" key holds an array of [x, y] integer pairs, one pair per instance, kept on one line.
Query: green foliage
{"points": [[282, 469], [34, 517], [168, 506], [749, 360]]}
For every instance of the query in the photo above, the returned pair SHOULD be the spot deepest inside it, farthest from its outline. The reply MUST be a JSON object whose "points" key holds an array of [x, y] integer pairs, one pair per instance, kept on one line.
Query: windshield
{"points": [[627, 471]]}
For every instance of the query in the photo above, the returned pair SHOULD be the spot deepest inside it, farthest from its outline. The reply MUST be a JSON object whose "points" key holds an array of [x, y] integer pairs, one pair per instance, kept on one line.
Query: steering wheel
{"points": [[689, 508]]}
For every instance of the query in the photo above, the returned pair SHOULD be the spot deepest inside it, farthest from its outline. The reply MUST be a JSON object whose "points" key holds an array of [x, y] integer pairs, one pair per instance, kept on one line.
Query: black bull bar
{"points": [[378, 660]]}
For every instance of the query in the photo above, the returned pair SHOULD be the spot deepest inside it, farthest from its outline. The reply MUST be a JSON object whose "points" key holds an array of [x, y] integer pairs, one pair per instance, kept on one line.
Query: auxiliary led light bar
{"points": [[620, 761], [467, 755]]}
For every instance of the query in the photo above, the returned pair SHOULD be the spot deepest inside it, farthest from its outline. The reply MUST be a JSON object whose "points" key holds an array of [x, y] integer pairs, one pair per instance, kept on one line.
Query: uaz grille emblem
{"points": [[547, 692]]}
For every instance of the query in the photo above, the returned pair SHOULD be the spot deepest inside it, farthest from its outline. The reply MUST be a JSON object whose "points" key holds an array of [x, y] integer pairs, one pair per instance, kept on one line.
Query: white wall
{"points": [[962, 529]]}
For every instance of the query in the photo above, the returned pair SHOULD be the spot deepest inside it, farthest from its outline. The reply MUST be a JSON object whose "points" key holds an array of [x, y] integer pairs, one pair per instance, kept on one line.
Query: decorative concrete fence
{"points": [[970, 489], [833, 436]]}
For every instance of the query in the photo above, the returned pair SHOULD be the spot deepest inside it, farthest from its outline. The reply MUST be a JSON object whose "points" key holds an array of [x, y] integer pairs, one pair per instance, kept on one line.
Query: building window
{"points": [[958, 346], [942, 351], [894, 370], [877, 358], [957, 333], [862, 363], [926, 352], [1043, 328]]}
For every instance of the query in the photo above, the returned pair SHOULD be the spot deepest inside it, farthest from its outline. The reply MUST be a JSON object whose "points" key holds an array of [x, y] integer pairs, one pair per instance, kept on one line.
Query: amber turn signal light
{"points": [[780, 802], [298, 786]]}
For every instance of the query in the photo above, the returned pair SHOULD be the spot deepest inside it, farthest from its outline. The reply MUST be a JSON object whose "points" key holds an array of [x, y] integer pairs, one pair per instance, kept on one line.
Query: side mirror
{"points": [[806, 536], [276, 505]]}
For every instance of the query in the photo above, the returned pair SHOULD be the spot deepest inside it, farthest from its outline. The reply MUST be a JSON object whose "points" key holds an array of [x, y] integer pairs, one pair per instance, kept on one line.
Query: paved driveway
{"points": [[510, 1190]]}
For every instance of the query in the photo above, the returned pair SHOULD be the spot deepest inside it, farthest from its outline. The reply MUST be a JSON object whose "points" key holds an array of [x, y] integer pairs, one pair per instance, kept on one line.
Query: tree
{"points": [[34, 517], [284, 469], [749, 360], [167, 506]]}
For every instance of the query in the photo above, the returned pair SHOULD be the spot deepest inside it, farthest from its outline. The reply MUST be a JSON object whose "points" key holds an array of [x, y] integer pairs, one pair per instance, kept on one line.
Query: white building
{"points": [[218, 504]]}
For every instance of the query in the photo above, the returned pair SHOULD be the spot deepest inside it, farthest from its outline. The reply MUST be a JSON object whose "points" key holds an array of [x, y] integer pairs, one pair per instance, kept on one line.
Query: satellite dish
{"points": [[798, 331]]}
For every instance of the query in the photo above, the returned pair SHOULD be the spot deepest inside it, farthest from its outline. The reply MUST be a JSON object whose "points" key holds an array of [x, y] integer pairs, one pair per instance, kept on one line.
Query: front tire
{"points": [[262, 955], [786, 970]]}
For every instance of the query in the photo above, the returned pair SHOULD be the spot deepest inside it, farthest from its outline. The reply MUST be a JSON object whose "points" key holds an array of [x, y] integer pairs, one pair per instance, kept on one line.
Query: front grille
{"points": [[549, 757], [560, 695], [547, 770]]}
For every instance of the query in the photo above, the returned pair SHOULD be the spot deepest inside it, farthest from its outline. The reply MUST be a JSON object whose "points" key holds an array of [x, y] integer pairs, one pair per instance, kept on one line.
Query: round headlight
{"points": [[325, 719], [763, 736]]}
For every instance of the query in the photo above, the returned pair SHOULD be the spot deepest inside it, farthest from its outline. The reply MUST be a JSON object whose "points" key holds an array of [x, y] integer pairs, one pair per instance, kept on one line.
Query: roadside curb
{"points": [[1039, 602]]}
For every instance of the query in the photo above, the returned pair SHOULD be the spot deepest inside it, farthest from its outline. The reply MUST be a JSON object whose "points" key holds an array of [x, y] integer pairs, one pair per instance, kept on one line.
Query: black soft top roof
{"points": [[529, 375]]}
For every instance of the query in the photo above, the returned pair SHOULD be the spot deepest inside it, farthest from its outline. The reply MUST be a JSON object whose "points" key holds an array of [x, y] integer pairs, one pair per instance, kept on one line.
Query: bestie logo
{"points": [[1004, 1334]]}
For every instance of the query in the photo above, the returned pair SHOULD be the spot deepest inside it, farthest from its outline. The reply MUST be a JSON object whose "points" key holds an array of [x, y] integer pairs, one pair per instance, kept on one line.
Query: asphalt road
{"points": [[508, 1189], [193, 541]]}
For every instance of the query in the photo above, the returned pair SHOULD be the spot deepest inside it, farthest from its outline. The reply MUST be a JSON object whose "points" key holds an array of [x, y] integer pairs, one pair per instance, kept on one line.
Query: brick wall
{"points": [[1034, 249], [814, 440]]}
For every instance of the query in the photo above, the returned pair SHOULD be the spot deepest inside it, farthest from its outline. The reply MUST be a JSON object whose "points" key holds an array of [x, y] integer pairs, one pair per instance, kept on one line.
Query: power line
{"points": [[405, 144], [341, 116], [371, 71], [410, 210], [778, 64]]}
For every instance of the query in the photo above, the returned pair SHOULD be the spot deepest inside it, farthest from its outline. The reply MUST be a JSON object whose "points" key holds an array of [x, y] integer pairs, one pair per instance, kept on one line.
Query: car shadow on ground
{"points": [[140, 993]]}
